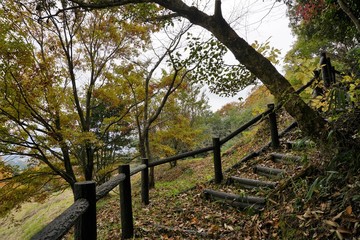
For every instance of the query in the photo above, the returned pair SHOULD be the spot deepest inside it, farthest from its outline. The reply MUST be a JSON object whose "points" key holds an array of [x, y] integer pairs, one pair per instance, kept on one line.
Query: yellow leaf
{"points": [[213, 228]]}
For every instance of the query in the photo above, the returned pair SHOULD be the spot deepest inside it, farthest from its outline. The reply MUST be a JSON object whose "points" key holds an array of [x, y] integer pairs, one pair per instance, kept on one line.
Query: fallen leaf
{"points": [[228, 227], [338, 234], [307, 213], [336, 194], [324, 206], [348, 210], [213, 228], [300, 217], [272, 201], [315, 213], [331, 223], [343, 230], [194, 221], [337, 216]]}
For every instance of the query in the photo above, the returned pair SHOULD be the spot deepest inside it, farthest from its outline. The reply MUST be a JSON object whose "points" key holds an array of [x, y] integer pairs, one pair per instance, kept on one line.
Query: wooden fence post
{"points": [[127, 223], [145, 182], [217, 160], [85, 227], [325, 70], [331, 71], [275, 142]]}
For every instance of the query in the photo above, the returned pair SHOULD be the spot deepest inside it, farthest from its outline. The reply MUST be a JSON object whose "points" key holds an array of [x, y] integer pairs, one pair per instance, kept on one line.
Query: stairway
{"points": [[247, 187]]}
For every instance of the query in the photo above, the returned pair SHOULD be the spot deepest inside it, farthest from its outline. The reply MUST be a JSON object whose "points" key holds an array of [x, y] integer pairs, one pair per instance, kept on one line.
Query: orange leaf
{"points": [[349, 210], [194, 221]]}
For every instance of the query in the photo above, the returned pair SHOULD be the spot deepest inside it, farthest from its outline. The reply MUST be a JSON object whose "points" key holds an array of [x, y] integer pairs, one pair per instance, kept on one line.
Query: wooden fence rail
{"points": [[82, 214], [180, 156], [246, 126], [105, 188], [62, 224]]}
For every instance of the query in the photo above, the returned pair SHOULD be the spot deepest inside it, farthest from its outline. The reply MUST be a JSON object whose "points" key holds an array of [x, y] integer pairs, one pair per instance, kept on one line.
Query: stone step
{"points": [[279, 157], [251, 183], [268, 172], [242, 202]]}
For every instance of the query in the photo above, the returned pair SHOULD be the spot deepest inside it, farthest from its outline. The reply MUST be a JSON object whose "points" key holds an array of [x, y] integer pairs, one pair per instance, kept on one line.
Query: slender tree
{"points": [[150, 95], [182, 126]]}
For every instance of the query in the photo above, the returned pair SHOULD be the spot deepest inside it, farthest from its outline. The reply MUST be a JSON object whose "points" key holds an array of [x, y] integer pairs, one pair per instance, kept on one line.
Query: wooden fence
{"points": [[82, 214]]}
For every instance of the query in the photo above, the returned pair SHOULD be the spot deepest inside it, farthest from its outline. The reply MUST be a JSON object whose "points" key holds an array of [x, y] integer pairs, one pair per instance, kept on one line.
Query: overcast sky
{"points": [[259, 20]]}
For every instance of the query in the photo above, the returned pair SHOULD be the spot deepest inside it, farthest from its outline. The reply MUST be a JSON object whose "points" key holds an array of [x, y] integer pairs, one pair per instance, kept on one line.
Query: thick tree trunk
{"points": [[308, 119]]}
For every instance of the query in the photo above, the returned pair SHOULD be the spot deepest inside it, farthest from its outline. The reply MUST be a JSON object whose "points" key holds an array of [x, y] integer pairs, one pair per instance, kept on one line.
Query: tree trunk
{"points": [[149, 156], [89, 168], [144, 153], [308, 119], [350, 14]]}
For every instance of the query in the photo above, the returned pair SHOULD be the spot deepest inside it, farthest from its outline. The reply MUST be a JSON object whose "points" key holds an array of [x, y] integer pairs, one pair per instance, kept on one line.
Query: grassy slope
{"points": [[22, 223]]}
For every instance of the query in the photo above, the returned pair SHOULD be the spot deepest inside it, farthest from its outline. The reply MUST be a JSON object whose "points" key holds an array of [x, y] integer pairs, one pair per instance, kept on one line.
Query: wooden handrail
{"points": [[210, 148], [106, 187], [57, 228], [246, 126], [308, 84], [180, 156], [137, 169]]}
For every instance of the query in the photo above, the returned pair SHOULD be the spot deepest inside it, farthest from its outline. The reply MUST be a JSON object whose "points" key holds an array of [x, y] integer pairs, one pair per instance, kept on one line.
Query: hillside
{"points": [[88, 86], [311, 201]]}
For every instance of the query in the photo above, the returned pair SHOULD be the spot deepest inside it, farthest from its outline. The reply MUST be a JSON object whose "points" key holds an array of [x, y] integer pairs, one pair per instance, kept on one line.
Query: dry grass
{"points": [[24, 222]]}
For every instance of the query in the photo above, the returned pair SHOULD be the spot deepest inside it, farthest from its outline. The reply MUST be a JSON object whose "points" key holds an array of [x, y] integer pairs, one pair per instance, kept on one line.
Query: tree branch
{"points": [[350, 14], [217, 12], [163, 17]]}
